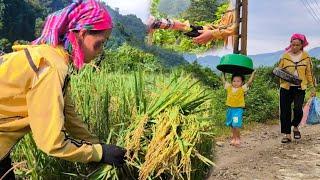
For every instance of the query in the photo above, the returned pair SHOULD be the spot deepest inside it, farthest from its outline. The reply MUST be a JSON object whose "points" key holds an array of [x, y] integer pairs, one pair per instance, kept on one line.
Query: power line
{"points": [[318, 7], [310, 12], [313, 10], [303, 3], [316, 2]]}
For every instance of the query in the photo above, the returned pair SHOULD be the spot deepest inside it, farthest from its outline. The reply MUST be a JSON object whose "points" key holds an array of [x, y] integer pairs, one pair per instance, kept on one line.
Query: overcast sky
{"points": [[271, 22]]}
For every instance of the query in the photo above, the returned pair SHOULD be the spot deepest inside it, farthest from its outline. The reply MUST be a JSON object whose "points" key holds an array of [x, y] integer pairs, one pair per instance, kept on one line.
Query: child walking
{"points": [[235, 102]]}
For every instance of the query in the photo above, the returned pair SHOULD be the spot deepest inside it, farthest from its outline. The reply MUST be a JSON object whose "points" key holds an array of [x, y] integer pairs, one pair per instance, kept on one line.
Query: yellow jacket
{"points": [[31, 98], [304, 69], [235, 97]]}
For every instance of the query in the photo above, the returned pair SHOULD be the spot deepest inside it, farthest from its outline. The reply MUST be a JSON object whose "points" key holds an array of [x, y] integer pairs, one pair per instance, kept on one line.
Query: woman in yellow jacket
{"points": [[32, 81], [298, 63]]}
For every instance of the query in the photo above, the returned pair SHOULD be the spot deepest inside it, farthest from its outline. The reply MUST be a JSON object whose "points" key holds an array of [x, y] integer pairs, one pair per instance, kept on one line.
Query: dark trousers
{"points": [[5, 166], [295, 95]]}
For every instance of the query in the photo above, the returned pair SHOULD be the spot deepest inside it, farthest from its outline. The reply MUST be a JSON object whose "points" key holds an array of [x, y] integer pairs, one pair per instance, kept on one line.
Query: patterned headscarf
{"points": [[81, 14], [300, 37]]}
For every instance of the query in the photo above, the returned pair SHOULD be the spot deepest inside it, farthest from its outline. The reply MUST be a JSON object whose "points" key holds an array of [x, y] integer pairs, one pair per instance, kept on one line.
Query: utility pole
{"points": [[240, 42]]}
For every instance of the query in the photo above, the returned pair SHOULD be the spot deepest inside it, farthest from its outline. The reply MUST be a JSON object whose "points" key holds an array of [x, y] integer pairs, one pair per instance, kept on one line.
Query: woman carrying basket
{"points": [[298, 63]]}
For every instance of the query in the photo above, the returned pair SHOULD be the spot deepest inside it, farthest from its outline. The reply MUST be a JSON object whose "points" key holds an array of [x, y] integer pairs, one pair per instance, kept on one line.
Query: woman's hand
{"points": [[113, 155], [205, 37]]}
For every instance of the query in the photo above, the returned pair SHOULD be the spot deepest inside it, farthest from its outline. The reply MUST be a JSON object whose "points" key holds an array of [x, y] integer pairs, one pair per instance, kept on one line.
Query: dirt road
{"points": [[263, 157]]}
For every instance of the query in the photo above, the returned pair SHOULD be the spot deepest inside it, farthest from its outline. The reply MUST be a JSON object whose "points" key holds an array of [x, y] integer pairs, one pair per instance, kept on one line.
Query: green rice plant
{"points": [[167, 126], [166, 121]]}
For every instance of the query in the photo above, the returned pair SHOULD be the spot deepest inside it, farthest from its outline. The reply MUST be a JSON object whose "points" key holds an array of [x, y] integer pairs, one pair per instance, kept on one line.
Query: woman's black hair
{"points": [[94, 32], [237, 75], [91, 32]]}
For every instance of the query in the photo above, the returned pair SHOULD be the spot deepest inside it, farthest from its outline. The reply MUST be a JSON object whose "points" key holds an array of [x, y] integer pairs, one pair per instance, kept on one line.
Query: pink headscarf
{"points": [[300, 37], [81, 14]]}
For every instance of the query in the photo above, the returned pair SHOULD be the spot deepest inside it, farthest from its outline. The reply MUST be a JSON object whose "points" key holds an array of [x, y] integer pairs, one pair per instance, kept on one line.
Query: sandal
{"points": [[296, 134], [285, 140]]}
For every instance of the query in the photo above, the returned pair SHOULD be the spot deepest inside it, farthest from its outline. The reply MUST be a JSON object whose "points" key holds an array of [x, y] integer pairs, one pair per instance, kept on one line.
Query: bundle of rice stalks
{"points": [[162, 140]]}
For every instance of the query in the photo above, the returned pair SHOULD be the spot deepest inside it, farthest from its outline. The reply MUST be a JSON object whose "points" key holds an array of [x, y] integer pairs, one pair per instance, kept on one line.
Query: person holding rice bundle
{"points": [[201, 34], [34, 96], [298, 63]]}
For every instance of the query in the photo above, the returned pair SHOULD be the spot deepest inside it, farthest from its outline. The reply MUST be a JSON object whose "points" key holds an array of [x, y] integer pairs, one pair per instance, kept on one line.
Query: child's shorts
{"points": [[234, 117]]}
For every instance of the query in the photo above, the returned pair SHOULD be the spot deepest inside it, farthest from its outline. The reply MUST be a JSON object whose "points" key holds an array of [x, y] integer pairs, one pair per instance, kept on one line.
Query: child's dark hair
{"points": [[237, 75]]}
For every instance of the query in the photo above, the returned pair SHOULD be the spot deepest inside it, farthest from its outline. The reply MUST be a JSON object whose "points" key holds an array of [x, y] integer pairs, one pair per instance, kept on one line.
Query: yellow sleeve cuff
{"points": [[97, 153]]}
